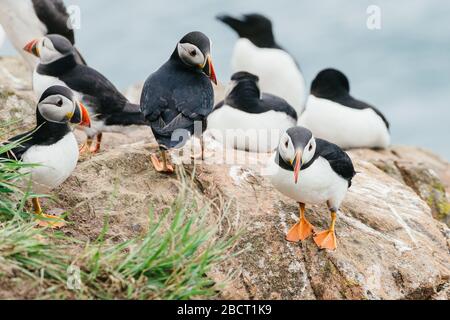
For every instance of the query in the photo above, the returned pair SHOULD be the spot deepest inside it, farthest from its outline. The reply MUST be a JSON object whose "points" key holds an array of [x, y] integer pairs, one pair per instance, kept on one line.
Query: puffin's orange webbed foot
{"points": [[160, 166], [300, 231], [50, 221], [326, 240], [85, 148]]}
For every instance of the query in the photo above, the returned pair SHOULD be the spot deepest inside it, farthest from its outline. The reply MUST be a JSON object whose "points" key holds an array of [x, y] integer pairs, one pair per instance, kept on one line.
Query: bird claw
{"points": [[159, 166]]}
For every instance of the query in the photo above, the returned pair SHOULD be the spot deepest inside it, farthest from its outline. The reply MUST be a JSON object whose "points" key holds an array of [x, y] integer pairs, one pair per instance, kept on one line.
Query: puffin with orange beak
{"points": [[58, 65], [179, 96], [312, 171], [50, 147]]}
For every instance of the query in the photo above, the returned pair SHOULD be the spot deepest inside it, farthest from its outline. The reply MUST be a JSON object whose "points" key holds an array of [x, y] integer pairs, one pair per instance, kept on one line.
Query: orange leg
{"points": [[302, 229], [164, 166], [46, 220], [86, 147], [96, 149], [327, 239]]}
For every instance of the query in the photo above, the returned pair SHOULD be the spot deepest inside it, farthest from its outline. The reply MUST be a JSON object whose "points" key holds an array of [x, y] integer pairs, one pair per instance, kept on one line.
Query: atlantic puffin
{"points": [[51, 145], [248, 119], [28, 19], [311, 171], [258, 52], [333, 114], [179, 96], [110, 110]]}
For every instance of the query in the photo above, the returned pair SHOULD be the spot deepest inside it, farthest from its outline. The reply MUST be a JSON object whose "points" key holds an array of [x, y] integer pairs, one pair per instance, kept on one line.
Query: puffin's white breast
{"points": [[257, 132], [277, 71], [344, 126], [317, 184], [56, 163]]}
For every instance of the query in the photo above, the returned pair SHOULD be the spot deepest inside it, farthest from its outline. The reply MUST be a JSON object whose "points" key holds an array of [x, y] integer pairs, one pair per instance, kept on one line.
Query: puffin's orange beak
{"points": [[297, 165], [32, 48], [85, 119], [208, 69]]}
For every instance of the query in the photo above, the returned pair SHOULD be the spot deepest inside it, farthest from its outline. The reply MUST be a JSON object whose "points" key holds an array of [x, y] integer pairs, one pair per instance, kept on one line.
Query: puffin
{"points": [[110, 110], [248, 119], [178, 97], [27, 19], [310, 170], [257, 52], [51, 146], [333, 114]]}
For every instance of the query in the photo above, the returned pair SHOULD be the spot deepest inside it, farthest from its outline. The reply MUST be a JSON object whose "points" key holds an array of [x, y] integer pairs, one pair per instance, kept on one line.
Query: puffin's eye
{"points": [[193, 52], [59, 103], [286, 144], [310, 147]]}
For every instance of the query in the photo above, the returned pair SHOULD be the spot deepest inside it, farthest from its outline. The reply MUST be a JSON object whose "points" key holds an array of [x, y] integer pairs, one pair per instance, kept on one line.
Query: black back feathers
{"points": [[332, 84]]}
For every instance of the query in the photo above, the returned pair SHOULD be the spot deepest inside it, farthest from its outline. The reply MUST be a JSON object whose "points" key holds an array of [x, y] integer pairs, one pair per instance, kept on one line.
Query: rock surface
{"points": [[391, 246]]}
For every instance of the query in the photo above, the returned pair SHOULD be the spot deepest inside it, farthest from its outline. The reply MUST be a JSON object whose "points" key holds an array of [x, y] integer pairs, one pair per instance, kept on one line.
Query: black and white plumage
{"points": [[24, 20], [110, 110], [179, 94], [258, 53], [51, 145], [248, 119], [311, 171], [333, 114]]}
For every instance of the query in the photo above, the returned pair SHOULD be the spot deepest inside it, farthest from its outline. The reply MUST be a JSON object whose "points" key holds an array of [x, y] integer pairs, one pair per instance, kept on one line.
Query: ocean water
{"points": [[402, 68]]}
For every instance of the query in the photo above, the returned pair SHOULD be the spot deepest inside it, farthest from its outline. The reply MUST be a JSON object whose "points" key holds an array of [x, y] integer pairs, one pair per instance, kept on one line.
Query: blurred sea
{"points": [[403, 69]]}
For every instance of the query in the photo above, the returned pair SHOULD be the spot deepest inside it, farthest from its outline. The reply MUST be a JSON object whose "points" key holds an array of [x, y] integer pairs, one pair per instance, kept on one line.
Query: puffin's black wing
{"points": [[339, 161], [98, 92], [177, 108], [349, 101], [278, 104], [17, 152], [53, 14]]}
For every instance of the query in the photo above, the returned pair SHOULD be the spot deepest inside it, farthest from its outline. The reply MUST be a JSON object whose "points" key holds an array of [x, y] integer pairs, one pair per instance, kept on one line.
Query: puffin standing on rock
{"points": [[314, 171], [51, 146], [248, 119], [178, 95], [257, 52], [111, 111], [27, 19], [333, 114]]}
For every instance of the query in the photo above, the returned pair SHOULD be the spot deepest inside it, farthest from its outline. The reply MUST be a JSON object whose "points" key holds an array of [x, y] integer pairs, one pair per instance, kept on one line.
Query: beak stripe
{"points": [[297, 166]]}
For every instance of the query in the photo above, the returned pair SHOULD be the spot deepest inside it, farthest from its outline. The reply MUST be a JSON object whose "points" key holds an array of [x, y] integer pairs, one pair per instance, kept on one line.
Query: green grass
{"points": [[171, 260]]}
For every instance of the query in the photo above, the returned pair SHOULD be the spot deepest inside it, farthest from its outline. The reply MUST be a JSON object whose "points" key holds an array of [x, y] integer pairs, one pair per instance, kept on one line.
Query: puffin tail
{"points": [[131, 115]]}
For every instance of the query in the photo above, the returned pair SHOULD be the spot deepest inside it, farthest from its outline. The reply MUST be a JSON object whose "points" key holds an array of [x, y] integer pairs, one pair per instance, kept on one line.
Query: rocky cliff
{"points": [[392, 230]]}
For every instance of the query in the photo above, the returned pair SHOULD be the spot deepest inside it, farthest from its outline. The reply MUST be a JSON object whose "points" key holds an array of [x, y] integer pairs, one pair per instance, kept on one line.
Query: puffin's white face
{"points": [[191, 55], [292, 151], [47, 51], [57, 108]]}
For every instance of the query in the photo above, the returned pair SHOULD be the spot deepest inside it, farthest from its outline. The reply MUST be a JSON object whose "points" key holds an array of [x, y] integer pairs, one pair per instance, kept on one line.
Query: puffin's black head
{"points": [[194, 49], [244, 76], [58, 105], [245, 85], [297, 146], [50, 48], [255, 27], [330, 83]]}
